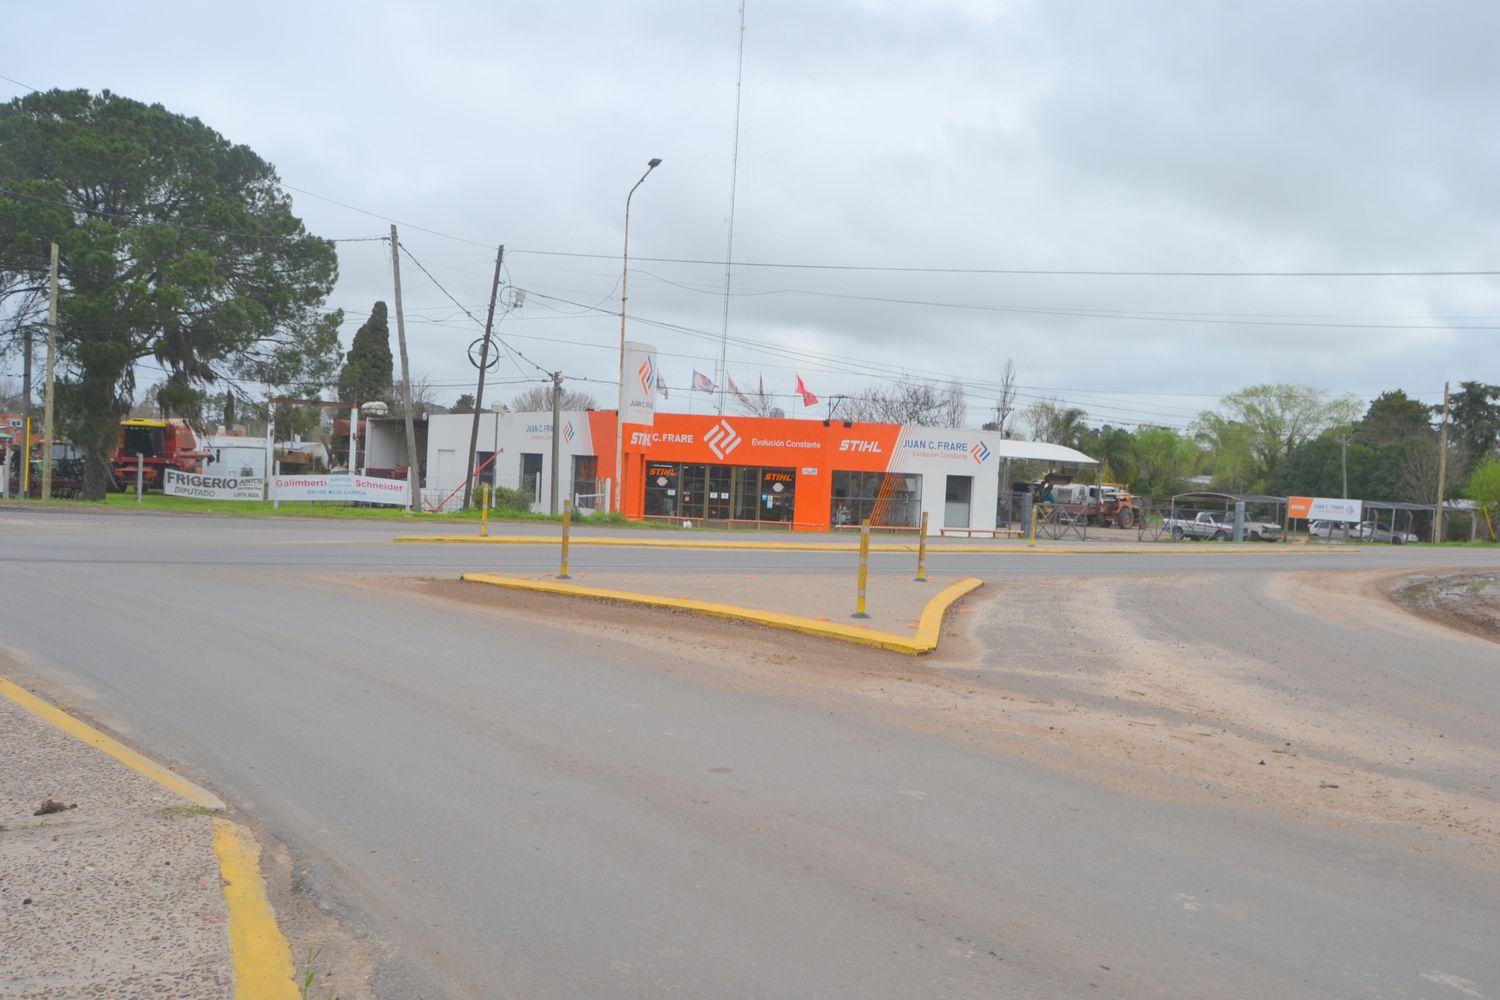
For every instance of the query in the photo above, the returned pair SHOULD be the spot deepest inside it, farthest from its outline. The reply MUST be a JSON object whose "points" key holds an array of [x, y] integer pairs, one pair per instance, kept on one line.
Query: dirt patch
{"points": [[1469, 602], [1159, 720]]}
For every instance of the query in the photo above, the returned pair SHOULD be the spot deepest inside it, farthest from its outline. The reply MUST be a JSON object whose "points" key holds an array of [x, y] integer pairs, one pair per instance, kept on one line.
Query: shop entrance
{"points": [[735, 495]]}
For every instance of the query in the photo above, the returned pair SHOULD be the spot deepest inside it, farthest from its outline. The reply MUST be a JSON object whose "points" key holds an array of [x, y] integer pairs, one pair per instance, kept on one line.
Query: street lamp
{"points": [[619, 490]]}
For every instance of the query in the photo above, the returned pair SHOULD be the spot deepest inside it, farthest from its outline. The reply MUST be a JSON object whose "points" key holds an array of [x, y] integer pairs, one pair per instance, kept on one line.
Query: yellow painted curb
{"points": [[82, 730], [260, 970], [925, 641], [262, 958], [1015, 548]]}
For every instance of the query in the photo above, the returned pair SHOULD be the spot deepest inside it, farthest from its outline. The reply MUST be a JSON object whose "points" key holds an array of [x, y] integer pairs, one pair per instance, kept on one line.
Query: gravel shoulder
{"points": [[118, 893]]}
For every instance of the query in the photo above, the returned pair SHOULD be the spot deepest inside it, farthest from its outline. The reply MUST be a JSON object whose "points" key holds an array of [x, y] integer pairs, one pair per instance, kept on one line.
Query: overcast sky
{"points": [[1045, 136]]}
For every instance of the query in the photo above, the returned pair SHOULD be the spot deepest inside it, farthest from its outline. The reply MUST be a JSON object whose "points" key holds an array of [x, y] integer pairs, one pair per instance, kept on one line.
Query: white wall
{"points": [[515, 435]]}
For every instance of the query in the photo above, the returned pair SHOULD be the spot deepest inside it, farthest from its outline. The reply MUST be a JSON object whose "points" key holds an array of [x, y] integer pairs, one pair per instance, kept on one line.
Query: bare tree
{"points": [[757, 402], [1005, 402], [424, 397], [910, 401], [538, 399]]}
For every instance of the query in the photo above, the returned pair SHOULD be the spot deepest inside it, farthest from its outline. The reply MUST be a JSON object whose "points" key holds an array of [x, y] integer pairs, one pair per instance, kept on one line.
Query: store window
{"points": [[586, 480], [531, 475], [887, 499], [661, 489]]}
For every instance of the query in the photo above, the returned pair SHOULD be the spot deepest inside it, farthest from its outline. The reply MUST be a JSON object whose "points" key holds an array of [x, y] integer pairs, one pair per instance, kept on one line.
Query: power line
{"points": [[466, 312], [1030, 272]]}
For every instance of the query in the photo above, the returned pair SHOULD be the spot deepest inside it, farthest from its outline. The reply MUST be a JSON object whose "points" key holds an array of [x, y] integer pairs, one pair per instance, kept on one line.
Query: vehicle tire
{"points": [[1126, 518], [1176, 534], [1221, 536]]}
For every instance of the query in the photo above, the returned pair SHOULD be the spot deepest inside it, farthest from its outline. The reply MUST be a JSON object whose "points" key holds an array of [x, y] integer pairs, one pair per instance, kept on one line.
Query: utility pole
{"points": [[47, 405], [413, 460], [1344, 461], [25, 486], [484, 360], [1437, 520], [556, 435]]}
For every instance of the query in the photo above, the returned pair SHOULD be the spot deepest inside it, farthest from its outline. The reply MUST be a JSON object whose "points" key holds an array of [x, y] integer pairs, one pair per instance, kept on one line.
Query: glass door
{"points": [[719, 477], [694, 491]]}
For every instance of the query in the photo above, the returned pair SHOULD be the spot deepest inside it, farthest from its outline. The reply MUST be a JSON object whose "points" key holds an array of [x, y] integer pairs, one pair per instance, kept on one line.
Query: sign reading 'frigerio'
{"points": [[344, 489], [186, 484]]}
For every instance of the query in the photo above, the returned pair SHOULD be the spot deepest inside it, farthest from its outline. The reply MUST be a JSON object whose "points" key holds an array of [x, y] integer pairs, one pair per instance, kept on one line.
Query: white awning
{"points": [[1038, 451]]}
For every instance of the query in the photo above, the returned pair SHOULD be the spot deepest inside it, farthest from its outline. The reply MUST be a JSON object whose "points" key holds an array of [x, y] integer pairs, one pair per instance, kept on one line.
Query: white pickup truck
{"points": [[1220, 527]]}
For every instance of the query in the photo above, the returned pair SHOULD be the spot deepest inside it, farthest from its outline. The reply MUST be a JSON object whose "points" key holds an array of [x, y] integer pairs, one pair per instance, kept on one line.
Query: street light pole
{"points": [[619, 490]]}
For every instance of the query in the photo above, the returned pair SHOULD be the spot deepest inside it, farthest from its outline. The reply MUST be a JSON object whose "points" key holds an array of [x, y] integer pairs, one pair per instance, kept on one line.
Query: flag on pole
{"points": [[702, 383], [808, 399], [661, 386], [735, 391]]}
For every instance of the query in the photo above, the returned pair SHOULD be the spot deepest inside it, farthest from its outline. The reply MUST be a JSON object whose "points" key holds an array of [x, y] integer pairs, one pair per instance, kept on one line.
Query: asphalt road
{"points": [[519, 810]]}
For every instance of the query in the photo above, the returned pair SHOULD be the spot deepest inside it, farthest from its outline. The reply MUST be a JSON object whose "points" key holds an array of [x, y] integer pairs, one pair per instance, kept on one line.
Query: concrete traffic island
{"points": [[904, 616], [130, 883]]}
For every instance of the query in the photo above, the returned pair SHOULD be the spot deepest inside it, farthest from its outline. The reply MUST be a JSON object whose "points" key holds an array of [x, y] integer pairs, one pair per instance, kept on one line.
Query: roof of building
{"points": [[1040, 451]]}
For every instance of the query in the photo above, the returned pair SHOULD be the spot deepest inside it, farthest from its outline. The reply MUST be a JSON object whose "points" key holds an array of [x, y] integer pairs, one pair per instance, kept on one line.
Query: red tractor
{"points": [[160, 444]]}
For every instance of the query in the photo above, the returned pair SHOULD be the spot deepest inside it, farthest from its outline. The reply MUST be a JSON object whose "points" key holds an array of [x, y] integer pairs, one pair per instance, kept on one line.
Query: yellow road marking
{"points": [[711, 543], [262, 958], [119, 751], [925, 641]]}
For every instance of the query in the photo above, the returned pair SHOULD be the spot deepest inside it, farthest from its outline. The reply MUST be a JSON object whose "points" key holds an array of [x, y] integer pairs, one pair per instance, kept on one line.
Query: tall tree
{"points": [[1053, 422], [1274, 419], [1475, 417], [1005, 401], [369, 368], [176, 245], [463, 404], [1163, 460], [1394, 416]]}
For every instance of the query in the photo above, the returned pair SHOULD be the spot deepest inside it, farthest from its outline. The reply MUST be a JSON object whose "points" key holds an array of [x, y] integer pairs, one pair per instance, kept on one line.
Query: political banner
{"points": [[342, 489], [187, 484], [638, 387]]}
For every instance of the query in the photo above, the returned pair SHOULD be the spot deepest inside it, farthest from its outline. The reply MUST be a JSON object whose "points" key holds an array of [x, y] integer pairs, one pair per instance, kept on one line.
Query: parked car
{"points": [[1332, 529], [1371, 532], [1220, 527]]}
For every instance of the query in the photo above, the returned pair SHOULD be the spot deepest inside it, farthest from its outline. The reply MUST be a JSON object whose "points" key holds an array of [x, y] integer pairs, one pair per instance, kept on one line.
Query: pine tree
{"points": [[369, 371]]}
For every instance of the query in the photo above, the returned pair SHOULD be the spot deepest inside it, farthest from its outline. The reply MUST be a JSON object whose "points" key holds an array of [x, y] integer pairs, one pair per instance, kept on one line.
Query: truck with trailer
{"points": [[1108, 504]]}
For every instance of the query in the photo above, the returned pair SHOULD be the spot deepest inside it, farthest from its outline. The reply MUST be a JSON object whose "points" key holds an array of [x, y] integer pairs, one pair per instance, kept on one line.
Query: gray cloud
{"points": [[1205, 136]]}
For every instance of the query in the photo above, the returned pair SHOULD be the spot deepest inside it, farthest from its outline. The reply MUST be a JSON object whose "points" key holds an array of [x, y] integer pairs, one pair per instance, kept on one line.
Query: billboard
{"points": [[638, 388], [1325, 509], [187, 484], [342, 489]]}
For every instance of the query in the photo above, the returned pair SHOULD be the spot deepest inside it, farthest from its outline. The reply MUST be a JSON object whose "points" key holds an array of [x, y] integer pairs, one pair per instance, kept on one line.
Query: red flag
{"points": [[808, 399]]}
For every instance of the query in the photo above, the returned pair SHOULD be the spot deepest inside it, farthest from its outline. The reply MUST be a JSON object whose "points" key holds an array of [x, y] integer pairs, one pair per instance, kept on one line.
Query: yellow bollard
{"points": [[1032, 543], [567, 523], [864, 568], [26, 460], [484, 512], [922, 551]]}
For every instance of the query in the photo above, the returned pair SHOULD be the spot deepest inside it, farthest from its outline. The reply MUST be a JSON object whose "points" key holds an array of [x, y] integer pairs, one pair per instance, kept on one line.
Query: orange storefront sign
{"points": [[812, 450], [1297, 508]]}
